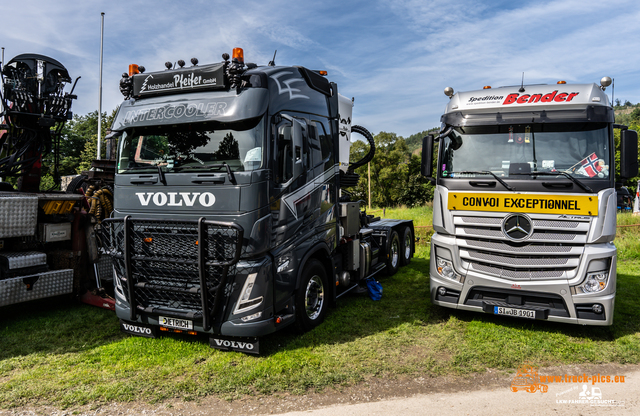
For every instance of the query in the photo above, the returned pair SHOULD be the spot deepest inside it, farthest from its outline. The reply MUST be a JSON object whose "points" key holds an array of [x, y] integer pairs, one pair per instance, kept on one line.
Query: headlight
{"points": [[246, 303], [445, 269], [594, 282]]}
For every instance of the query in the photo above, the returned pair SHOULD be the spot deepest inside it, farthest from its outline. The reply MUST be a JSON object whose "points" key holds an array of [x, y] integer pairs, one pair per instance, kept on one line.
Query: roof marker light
{"points": [[486, 87], [323, 73], [238, 54], [562, 82], [133, 69], [448, 92], [605, 82]]}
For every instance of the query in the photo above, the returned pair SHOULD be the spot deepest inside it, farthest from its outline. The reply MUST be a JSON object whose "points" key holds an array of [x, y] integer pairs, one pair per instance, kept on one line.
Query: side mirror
{"points": [[628, 154], [297, 135], [427, 158]]}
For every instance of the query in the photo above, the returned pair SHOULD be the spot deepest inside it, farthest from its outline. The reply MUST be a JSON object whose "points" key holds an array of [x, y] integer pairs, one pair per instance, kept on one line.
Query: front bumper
{"points": [[254, 321], [552, 300]]}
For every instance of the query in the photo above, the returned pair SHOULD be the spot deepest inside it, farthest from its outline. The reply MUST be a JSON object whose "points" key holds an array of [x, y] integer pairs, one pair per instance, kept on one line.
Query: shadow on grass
{"points": [[406, 301], [55, 325], [60, 325]]}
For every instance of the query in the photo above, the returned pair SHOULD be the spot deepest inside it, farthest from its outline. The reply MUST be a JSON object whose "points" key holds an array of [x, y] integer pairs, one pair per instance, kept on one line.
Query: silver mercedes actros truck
{"points": [[525, 204], [231, 216]]}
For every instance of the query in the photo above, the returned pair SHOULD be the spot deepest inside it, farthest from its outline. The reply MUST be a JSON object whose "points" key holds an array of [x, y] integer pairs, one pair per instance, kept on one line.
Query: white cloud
{"points": [[394, 56]]}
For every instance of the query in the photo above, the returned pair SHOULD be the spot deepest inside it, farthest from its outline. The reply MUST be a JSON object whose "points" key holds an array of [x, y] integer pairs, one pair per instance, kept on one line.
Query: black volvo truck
{"points": [[231, 216]]}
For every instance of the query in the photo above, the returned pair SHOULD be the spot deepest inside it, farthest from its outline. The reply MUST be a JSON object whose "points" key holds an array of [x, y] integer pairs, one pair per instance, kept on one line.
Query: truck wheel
{"points": [[77, 182], [312, 296], [405, 246], [393, 255]]}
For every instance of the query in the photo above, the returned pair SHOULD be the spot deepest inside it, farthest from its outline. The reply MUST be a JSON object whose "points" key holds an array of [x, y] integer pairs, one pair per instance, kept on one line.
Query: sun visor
{"points": [[594, 114], [227, 106]]}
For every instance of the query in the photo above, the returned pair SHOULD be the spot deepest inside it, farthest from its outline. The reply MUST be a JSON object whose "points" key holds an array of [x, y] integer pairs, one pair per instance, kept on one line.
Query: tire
{"points": [[406, 244], [77, 182], [393, 254], [312, 298]]}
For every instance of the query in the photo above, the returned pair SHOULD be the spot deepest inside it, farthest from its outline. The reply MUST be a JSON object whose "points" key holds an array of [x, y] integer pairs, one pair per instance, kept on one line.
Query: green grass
{"points": [[66, 354]]}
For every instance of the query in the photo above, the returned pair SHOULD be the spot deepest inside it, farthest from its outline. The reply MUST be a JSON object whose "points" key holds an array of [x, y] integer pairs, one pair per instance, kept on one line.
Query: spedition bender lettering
{"points": [[545, 204]]}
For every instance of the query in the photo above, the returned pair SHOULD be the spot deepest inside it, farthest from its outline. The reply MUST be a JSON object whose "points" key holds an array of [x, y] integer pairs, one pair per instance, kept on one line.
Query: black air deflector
{"points": [[315, 81], [181, 80]]}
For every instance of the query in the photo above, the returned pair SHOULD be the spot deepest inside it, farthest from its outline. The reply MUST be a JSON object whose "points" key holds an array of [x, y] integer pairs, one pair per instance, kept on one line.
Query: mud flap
{"points": [[246, 345], [137, 329]]}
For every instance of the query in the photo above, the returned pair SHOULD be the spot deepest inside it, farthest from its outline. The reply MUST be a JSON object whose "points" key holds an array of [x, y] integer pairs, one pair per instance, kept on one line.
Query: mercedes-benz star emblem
{"points": [[517, 227]]}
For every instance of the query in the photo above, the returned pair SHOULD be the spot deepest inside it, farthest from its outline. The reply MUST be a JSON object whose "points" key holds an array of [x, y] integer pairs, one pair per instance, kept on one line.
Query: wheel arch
{"points": [[322, 253]]}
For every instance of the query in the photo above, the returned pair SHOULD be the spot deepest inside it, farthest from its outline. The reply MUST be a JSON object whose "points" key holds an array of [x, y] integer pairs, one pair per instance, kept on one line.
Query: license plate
{"points": [[175, 323], [519, 313]]}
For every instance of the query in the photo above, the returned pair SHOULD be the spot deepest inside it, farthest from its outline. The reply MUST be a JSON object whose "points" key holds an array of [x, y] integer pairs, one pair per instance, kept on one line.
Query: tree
{"points": [[395, 173], [83, 134]]}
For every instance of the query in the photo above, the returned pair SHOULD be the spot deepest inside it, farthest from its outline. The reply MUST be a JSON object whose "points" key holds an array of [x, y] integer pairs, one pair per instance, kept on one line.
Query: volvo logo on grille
{"points": [[517, 227]]}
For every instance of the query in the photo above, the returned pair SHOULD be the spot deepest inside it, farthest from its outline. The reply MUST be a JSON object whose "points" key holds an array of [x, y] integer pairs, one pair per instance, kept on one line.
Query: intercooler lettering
{"points": [[546, 204], [176, 112]]}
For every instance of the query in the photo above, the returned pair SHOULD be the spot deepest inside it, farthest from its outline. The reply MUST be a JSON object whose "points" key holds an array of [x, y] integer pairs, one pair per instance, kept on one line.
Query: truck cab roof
{"points": [[528, 97]]}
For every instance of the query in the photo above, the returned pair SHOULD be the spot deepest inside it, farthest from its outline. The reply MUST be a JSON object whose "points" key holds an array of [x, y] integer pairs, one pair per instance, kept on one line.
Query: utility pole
{"points": [[100, 88], [369, 183]]}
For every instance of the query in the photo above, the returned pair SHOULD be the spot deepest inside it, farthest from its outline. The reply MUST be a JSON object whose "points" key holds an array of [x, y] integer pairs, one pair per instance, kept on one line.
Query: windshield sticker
{"points": [[532, 203], [510, 135], [549, 164], [288, 82], [527, 134], [254, 155]]}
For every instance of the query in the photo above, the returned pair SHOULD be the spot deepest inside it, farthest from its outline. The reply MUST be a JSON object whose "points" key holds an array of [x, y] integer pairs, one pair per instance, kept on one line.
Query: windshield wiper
{"points": [[161, 175], [232, 177], [558, 173], [485, 172]]}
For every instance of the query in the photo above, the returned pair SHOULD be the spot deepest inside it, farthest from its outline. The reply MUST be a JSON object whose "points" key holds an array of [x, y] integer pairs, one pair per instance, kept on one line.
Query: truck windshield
{"points": [[577, 149], [190, 147]]}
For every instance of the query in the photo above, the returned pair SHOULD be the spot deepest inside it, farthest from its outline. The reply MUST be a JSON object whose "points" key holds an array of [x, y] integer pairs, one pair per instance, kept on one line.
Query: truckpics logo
{"points": [[527, 379], [176, 199], [553, 96]]}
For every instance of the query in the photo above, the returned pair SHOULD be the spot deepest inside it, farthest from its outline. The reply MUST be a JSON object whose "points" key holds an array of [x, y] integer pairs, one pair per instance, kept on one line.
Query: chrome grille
{"points": [[552, 252], [520, 261], [518, 274]]}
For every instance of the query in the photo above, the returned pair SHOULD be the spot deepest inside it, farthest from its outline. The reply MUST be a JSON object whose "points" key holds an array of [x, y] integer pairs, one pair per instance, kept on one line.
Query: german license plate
{"points": [[519, 313], [175, 323]]}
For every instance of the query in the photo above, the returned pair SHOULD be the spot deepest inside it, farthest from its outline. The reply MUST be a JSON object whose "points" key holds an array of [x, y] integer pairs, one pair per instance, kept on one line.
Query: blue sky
{"points": [[394, 56]]}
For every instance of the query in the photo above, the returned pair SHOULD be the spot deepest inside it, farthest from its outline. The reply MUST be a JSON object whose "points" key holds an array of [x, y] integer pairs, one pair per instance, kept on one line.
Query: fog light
{"points": [[597, 308], [442, 291], [251, 317]]}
